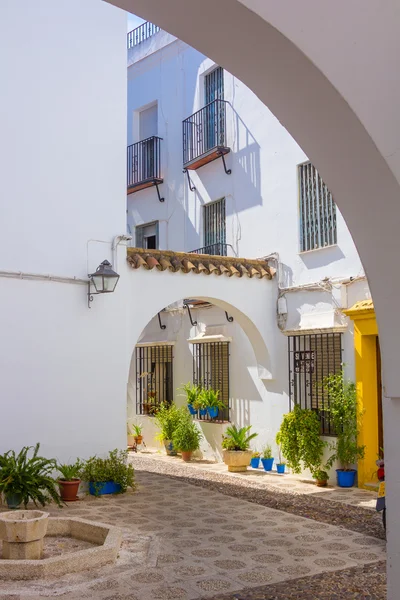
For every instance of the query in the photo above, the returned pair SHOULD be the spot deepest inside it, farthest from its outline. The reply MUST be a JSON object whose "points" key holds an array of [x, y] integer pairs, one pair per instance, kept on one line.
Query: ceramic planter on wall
{"points": [[237, 460]]}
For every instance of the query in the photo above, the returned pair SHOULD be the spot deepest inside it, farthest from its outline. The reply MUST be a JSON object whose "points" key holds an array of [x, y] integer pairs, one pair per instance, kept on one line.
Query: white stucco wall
{"points": [[62, 170]]}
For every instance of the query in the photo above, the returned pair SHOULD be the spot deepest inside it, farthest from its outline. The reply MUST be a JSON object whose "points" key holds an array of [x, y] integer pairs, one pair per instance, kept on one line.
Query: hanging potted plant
{"points": [[300, 441], [25, 478], [255, 460], [149, 406], [111, 475], [345, 416], [186, 437], [280, 466], [192, 392], [267, 458], [235, 444], [70, 480], [167, 419], [201, 402], [214, 404]]}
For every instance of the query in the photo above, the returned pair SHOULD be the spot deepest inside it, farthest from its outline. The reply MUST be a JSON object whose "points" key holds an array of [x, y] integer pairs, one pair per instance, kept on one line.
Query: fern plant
{"points": [[237, 439], [70, 472], [191, 392], [212, 399], [29, 477]]}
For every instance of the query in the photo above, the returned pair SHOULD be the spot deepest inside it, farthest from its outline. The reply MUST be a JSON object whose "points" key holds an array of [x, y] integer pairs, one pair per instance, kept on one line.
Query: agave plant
{"points": [[28, 477], [237, 439]]}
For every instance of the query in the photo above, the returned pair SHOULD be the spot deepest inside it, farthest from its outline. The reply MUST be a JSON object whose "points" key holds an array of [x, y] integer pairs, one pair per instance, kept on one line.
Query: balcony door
{"points": [[148, 128], [214, 118], [215, 228]]}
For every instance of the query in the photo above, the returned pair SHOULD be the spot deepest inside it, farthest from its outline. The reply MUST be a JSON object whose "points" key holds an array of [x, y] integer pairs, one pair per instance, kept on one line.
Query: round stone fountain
{"points": [[22, 533]]}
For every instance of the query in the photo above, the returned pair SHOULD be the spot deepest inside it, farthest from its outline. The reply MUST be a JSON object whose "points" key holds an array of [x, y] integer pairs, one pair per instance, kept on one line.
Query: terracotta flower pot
{"points": [[186, 455], [138, 439], [69, 490], [321, 482]]}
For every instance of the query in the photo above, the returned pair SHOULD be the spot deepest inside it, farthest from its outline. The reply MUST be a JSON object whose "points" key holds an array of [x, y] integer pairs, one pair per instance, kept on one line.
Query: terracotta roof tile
{"points": [[199, 263]]}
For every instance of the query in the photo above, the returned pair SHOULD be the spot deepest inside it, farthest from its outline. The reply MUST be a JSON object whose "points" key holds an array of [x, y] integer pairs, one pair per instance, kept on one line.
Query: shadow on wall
{"points": [[321, 257]]}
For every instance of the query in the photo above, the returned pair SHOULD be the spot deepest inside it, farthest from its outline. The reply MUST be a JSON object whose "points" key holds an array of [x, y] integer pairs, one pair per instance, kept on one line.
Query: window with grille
{"points": [[215, 228], [312, 358], [154, 383], [211, 370], [147, 236], [317, 210]]}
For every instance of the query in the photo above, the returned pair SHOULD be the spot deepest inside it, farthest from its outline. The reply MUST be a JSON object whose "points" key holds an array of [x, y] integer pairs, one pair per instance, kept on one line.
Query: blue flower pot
{"points": [[255, 462], [212, 411], [345, 478], [203, 412], [192, 410], [100, 488], [280, 468], [13, 500], [267, 463]]}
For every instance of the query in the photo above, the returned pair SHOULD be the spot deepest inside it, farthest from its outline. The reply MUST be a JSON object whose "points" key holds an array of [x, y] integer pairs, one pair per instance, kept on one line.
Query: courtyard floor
{"points": [[191, 533]]}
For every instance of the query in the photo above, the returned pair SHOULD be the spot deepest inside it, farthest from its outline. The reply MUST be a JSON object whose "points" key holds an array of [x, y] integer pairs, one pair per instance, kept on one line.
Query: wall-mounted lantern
{"points": [[104, 281]]}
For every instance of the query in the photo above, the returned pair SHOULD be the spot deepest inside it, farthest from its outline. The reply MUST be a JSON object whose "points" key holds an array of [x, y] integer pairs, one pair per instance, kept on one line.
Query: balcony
{"points": [[141, 33], [204, 136], [217, 249], [144, 165]]}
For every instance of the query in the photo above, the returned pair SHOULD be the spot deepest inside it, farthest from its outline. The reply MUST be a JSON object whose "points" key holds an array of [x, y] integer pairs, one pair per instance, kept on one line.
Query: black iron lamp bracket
{"points": [[192, 188], [161, 325], [186, 305], [227, 171], [228, 318], [158, 193]]}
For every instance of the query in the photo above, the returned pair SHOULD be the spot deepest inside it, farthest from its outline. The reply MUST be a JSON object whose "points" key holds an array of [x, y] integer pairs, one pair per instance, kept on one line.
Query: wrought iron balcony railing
{"points": [[144, 164], [141, 33], [204, 135], [218, 249]]}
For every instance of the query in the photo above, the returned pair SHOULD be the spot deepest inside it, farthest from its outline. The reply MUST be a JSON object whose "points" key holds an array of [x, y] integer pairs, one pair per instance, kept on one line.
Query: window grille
{"points": [[215, 227], [147, 236], [154, 381], [312, 358], [317, 210], [211, 370]]}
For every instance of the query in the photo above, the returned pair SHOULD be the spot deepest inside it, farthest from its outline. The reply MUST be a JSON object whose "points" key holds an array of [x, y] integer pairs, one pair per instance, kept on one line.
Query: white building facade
{"points": [[225, 178]]}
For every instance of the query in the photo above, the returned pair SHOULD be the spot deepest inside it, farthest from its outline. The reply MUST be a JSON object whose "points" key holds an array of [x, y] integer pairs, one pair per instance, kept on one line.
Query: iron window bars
{"points": [[312, 358], [317, 210], [211, 370], [204, 131], [144, 161], [154, 377], [215, 227]]}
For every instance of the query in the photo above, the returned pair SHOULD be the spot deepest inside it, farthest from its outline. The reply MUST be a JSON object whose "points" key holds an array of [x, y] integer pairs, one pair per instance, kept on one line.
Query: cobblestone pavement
{"points": [[185, 542]]}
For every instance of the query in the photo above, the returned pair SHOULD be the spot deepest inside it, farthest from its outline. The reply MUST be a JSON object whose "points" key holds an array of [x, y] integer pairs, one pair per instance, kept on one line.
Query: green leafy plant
{"points": [[71, 472], [237, 439], [256, 454], [29, 477], [320, 474], [187, 435], [137, 429], [212, 398], [201, 400], [299, 439], [167, 419], [345, 416], [113, 468], [191, 391], [267, 451], [280, 454]]}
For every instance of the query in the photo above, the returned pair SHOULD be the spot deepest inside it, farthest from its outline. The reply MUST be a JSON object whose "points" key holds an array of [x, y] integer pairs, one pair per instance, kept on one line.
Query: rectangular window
{"points": [[317, 210], [215, 228], [312, 358], [147, 236], [211, 370], [214, 122], [154, 384]]}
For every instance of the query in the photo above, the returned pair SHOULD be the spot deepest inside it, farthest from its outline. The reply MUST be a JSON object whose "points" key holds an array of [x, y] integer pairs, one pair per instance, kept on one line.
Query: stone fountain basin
{"points": [[23, 525], [107, 541]]}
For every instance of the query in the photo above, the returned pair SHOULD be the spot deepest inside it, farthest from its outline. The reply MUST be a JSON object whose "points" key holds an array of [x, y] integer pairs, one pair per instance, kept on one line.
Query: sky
{"points": [[133, 22]]}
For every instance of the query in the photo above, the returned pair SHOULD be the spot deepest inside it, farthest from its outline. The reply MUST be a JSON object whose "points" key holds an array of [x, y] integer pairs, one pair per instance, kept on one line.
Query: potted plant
{"points": [[167, 419], [280, 466], [214, 404], [300, 441], [236, 443], [137, 429], [24, 478], [150, 405], [255, 460], [186, 437], [321, 477], [70, 480], [131, 439], [267, 458], [192, 392], [201, 402], [345, 416], [111, 475]]}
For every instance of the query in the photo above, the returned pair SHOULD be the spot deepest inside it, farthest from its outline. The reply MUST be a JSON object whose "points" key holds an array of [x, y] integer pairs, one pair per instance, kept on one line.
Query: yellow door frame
{"points": [[365, 334]]}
